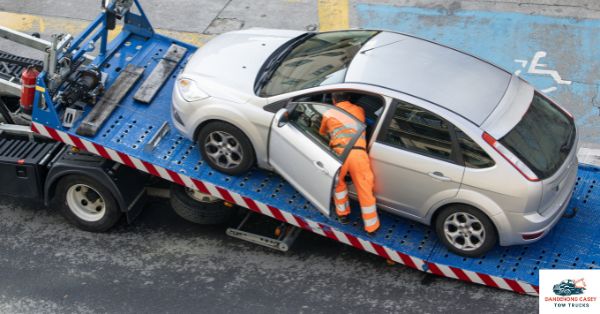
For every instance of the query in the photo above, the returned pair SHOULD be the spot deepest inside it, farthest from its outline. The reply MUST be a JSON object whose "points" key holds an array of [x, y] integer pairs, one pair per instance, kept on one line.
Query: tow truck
{"points": [[110, 102]]}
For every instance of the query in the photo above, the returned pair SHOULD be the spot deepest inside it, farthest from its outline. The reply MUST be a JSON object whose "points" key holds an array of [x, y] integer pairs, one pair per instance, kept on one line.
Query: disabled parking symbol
{"points": [[537, 68]]}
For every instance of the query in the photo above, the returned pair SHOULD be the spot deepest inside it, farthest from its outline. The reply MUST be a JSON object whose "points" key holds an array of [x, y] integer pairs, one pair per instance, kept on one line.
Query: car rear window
{"points": [[543, 138]]}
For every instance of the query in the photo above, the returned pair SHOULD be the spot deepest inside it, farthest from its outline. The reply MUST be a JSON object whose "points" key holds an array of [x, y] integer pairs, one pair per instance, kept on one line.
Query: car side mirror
{"points": [[283, 115]]}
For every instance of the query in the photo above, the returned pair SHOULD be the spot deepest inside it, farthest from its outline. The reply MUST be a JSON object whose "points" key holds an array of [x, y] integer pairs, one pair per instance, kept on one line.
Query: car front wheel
{"points": [[226, 148], [465, 230]]}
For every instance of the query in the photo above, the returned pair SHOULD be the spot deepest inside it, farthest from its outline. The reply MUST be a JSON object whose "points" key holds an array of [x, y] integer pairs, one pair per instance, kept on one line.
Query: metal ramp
{"points": [[572, 244]]}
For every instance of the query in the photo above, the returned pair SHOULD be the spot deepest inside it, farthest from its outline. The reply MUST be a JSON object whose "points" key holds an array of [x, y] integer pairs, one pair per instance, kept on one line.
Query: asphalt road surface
{"points": [[164, 264], [161, 263]]}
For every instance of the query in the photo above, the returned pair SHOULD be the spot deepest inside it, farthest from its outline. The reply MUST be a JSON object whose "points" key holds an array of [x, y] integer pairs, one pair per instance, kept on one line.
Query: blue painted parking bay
{"points": [[572, 244], [559, 56]]}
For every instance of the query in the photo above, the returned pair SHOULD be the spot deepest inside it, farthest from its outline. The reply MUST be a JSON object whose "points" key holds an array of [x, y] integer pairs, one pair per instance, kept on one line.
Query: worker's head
{"points": [[340, 96]]}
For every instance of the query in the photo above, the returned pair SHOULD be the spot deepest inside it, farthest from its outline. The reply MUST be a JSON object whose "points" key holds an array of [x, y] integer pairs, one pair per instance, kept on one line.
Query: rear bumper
{"points": [[531, 227]]}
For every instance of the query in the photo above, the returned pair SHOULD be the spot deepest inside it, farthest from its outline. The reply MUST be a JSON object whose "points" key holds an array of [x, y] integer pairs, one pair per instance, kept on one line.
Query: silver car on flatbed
{"points": [[455, 142]]}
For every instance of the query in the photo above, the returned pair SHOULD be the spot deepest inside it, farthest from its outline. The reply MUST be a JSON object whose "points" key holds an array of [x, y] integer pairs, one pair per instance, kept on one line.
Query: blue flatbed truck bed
{"points": [[573, 243]]}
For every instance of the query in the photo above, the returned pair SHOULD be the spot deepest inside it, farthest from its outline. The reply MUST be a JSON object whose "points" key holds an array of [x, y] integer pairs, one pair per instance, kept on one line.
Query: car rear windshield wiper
{"points": [[268, 68]]}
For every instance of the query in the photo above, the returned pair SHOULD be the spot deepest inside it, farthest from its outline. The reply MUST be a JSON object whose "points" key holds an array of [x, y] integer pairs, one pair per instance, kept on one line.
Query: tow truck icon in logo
{"points": [[569, 287]]}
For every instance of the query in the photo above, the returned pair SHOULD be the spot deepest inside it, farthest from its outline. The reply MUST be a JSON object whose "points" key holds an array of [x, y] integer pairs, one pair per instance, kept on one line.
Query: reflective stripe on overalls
{"points": [[340, 133], [340, 138]]}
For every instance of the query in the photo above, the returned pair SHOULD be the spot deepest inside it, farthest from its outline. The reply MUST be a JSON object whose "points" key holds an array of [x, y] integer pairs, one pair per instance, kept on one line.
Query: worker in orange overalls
{"points": [[357, 163]]}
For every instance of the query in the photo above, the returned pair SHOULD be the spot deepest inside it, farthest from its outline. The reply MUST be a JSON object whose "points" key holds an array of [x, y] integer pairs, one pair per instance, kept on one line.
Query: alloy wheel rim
{"points": [[464, 231], [223, 149]]}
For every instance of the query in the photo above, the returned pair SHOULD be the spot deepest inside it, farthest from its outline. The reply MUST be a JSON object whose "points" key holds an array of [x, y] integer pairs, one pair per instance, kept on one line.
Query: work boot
{"points": [[344, 220], [373, 233]]}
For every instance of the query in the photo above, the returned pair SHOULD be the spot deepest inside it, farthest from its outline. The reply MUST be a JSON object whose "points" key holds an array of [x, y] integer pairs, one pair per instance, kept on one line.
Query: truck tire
{"points": [[465, 230], [86, 203], [226, 148], [199, 208]]}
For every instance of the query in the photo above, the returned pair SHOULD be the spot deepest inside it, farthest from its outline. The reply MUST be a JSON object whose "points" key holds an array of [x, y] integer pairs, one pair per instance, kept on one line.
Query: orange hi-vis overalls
{"points": [[357, 163]]}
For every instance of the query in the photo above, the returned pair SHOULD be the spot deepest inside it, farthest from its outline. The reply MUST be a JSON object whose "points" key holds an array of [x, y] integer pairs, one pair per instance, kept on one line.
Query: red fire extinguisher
{"points": [[28, 78]]}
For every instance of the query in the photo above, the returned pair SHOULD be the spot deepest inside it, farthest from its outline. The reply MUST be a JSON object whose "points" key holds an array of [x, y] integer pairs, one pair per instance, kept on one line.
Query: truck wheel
{"points": [[198, 207], [86, 203], [465, 230], [226, 148]]}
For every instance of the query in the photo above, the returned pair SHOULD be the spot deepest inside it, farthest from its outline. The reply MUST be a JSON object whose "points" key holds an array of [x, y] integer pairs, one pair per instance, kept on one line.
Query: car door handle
{"points": [[319, 165], [439, 176]]}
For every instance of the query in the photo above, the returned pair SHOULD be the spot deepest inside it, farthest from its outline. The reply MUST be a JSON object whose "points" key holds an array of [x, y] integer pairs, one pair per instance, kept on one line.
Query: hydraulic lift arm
{"points": [[24, 39], [11, 86], [64, 53]]}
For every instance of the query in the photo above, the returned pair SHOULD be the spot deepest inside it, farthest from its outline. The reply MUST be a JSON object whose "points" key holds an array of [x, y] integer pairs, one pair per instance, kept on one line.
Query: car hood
{"points": [[226, 67]]}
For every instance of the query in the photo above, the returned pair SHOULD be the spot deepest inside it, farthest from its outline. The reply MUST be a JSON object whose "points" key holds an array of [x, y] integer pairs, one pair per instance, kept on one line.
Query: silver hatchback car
{"points": [[455, 142]]}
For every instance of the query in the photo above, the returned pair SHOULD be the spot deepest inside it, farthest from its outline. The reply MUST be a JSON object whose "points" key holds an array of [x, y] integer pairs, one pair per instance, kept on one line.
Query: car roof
{"points": [[444, 76]]}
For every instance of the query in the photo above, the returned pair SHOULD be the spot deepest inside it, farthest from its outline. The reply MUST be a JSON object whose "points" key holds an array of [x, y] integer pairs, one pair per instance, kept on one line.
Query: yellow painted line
{"points": [[196, 39], [333, 14], [28, 23]]}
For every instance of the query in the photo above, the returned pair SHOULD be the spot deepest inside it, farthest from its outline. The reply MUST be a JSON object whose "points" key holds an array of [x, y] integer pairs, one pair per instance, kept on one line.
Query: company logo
{"points": [[569, 287], [569, 291]]}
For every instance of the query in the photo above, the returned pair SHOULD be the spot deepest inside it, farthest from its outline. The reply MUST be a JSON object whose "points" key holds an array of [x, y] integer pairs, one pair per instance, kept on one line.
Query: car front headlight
{"points": [[189, 90]]}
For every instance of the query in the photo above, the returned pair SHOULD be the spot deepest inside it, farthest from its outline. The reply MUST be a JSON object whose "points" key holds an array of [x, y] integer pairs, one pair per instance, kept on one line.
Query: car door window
{"points": [[418, 130], [472, 154], [308, 118]]}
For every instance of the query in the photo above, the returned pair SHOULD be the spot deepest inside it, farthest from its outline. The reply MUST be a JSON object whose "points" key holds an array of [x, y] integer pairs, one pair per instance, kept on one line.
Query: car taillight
{"points": [[510, 157]]}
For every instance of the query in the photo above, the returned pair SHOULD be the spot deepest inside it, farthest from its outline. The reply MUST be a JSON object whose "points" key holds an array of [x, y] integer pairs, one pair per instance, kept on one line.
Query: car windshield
{"points": [[318, 60], [543, 138]]}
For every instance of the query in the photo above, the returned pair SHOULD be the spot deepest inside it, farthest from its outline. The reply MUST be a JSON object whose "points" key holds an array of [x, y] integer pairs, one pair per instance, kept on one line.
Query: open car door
{"points": [[302, 155]]}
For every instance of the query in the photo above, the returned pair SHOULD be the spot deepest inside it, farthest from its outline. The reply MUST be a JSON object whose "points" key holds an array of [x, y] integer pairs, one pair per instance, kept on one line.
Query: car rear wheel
{"points": [[226, 148], [465, 230]]}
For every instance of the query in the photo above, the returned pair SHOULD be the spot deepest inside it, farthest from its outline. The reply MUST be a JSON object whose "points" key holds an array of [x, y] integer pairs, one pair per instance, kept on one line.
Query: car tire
{"points": [[465, 230], [226, 148], [86, 203], [199, 208]]}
